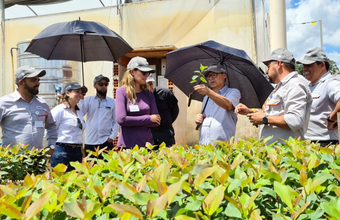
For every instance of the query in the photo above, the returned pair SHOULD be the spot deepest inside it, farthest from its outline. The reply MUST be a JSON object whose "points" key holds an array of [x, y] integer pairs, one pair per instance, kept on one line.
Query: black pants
{"points": [[325, 143], [101, 146]]}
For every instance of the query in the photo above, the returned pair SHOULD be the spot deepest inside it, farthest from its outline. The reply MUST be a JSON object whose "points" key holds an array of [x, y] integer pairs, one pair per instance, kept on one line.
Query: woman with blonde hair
{"points": [[70, 126], [136, 108]]}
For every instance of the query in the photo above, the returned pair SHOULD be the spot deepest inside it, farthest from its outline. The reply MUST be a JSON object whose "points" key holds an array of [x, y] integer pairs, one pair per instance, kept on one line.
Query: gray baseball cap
{"points": [[74, 85], [215, 69], [150, 79], [313, 56], [27, 72], [100, 77], [140, 63], [281, 54]]}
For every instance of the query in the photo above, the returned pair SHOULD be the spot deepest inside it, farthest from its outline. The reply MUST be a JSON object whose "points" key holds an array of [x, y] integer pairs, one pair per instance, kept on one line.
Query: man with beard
{"points": [[23, 116], [286, 112], [101, 125]]}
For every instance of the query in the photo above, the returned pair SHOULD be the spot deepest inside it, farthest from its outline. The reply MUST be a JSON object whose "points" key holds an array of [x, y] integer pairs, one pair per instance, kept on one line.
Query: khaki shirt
{"points": [[326, 94], [25, 122], [291, 98]]}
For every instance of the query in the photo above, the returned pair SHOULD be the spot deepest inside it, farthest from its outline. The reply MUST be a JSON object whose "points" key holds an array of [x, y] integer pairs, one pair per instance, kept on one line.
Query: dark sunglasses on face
{"points": [[79, 124], [144, 73], [103, 84]]}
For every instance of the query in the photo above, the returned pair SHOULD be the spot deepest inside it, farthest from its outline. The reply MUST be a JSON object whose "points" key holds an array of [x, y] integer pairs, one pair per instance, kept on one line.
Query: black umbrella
{"points": [[242, 73], [79, 41]]}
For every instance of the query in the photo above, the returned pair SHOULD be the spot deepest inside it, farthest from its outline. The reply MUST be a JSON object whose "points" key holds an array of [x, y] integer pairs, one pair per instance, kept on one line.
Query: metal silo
{"points": [[58, 72]]}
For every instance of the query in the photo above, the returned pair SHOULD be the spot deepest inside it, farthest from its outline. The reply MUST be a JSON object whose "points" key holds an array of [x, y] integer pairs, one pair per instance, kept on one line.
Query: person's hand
{"points": [[256, 117], [109, 140], [156, 119], [202, 89], [199, 118], [332, 125], [242, 109], [50, 152]]}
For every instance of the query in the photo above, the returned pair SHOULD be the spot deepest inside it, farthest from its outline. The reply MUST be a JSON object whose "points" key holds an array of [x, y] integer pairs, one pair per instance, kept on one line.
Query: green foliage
{"points": [[16, 161], [199, 77], [234, 180]]}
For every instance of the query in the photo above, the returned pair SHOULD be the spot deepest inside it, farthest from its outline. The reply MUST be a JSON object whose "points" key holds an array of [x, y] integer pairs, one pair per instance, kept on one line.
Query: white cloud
{"points": [[301, 37]]}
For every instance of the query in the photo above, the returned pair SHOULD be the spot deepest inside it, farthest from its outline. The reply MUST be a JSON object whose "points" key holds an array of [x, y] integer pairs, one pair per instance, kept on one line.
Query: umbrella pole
{"points": [[82, 57]]}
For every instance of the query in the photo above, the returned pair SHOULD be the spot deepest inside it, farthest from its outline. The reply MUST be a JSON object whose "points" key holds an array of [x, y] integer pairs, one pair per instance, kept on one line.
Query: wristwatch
{"points": [[329, 120], [265, 120], [52, 146]]}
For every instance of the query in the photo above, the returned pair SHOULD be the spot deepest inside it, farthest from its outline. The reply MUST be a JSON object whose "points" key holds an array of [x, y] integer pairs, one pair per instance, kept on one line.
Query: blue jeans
{"points": [[65, 154]]}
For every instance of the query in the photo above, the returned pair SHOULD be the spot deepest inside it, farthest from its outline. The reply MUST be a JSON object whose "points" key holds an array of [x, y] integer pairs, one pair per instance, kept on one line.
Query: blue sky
{"points": [[300, 37]]}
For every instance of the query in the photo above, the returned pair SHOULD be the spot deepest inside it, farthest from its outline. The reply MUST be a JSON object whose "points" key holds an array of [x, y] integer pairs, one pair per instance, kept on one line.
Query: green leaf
{"points": [[252, 199], [193, 81], [159, 204], [73, 210], [318, 181], [143, 198], [194, 77], [303, 177], [35, 207], [203, 79], [193, 206], [213, 200], [126, 209], [286, 193], [10, 210], [200, 178], [232, 211]]}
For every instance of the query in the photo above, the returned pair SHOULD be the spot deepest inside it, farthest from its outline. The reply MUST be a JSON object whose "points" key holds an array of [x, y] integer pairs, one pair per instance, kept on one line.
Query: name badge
{"points": [[206, 122], [39, 124], [107, 107], [134, 108], [39, 107]]}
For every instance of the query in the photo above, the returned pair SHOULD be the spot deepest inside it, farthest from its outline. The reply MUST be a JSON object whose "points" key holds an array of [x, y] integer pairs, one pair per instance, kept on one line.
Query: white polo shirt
{"points": [[326, 93], [291, 98], [101, 121], [67, 124]]}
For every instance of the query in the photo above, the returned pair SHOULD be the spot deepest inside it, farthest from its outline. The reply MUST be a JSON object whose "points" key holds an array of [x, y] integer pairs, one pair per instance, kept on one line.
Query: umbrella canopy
{"points": [[242, 73], [79, 41]]}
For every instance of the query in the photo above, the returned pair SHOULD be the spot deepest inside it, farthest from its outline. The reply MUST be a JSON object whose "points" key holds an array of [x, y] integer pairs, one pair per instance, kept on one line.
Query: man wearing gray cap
{"points": [[286, 112], [101, 125], [325, 90], [218, 119], [23, 116]]}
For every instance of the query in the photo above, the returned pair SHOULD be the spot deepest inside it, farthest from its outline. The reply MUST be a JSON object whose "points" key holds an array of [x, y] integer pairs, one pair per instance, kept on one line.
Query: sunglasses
{"points": [[79, 124], [144, 73], [102, 84]]}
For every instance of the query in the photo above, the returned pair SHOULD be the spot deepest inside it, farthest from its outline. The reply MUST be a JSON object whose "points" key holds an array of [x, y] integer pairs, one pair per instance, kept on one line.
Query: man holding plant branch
{"points": [[218, 119]]}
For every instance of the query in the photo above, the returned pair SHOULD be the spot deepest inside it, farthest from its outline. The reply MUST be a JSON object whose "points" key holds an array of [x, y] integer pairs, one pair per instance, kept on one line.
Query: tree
{"points": [[333, 68]]}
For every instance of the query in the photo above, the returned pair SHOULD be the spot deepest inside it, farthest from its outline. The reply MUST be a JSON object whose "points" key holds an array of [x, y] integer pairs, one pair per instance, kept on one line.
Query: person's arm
{"points": [[334, 94], [51, 128], [295, 107], [114, 125], [220, 100], [121, 112], [333, 117], [155, 118]]}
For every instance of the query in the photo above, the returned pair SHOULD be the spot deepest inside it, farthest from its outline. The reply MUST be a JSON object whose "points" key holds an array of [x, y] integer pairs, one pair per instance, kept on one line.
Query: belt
{"points": [[69, 145]]}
